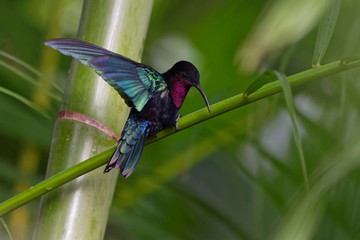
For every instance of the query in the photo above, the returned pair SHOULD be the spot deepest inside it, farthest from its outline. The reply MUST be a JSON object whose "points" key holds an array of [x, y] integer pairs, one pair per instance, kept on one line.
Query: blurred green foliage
{"points": [[237, 176]]}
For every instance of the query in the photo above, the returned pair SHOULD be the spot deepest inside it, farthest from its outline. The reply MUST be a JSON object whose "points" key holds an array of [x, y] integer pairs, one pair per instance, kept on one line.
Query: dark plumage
{"points": [[156, 98]]}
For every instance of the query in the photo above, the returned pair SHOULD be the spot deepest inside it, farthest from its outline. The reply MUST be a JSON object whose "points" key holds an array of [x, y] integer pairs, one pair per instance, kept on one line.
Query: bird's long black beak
{"points": [[203, 94]]}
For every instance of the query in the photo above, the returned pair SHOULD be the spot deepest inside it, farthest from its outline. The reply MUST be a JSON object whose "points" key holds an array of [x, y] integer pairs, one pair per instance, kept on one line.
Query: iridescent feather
{"points": [[135, 82], [156, 97], [130, 146]]}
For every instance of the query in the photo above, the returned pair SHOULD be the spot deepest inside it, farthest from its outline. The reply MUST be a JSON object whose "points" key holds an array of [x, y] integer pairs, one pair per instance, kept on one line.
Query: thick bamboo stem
{"points": [[79, 210]]}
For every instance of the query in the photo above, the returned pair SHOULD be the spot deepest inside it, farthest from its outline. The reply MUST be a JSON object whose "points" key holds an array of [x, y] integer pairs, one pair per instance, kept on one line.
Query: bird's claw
{"points": [[176, 122]]}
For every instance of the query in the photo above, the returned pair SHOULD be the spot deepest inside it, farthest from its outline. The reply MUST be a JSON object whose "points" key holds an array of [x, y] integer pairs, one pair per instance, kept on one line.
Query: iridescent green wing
{"points": [[135, 82]]}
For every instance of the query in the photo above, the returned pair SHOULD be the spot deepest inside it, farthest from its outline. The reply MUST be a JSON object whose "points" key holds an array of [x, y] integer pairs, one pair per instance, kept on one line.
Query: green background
{"points": [[237, 176]]}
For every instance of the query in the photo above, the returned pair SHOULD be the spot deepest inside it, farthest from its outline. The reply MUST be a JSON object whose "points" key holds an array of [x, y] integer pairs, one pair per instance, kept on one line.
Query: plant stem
{"points": [[184, 122], [265, 91]]}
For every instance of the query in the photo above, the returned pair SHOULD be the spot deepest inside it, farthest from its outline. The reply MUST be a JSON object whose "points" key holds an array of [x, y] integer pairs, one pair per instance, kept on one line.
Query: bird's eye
{"points": [[183, 75]]}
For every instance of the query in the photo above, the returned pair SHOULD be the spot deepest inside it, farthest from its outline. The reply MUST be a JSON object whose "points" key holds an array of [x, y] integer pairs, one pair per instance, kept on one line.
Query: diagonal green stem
{"points": [[265, 91], [185, 122]]}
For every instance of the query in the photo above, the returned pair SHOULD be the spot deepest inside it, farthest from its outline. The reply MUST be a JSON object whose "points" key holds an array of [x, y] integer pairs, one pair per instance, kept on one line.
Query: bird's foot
{"points": [[176, 121]]}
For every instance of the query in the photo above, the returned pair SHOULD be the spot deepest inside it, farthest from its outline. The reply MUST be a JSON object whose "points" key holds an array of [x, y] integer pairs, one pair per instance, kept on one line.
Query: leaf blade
{"points": [[290, 106], [32, 69], [25, 101], [325, 31], [30, 79], [266, 77]]}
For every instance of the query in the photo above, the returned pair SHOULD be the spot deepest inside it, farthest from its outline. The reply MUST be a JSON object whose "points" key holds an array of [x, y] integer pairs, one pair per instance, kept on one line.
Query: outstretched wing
{"points": [[135, 82]]}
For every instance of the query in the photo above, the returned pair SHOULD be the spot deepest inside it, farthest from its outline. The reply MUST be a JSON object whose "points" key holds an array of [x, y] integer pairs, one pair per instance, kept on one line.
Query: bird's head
{"points": [[187, 73]]}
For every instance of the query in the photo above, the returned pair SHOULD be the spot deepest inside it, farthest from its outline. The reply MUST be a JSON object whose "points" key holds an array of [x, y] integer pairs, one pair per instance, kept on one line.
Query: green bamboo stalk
{"points": [[184, 122], [79, 210]]}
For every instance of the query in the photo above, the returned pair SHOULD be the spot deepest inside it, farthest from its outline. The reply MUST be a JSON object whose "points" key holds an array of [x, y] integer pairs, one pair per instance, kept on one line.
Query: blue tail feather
{"points": [[129, 148], [127, 167]]}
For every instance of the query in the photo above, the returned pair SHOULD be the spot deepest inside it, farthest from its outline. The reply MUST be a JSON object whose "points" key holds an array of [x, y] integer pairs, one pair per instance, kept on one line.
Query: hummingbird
{"points": [[155, 97]]}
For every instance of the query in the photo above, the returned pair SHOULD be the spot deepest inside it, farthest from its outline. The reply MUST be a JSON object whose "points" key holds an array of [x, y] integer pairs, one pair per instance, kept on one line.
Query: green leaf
{"points": [[31, 69], [282, 22], [25, 101], [290, 105], [216, 214], [306, 211], [22, 123], [6, 228], [266, 77], [326, 29], [29, 79]]}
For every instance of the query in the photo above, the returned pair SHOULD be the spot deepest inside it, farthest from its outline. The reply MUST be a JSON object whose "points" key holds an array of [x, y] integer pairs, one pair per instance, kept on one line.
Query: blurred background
{"points": [[237, 176]]}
